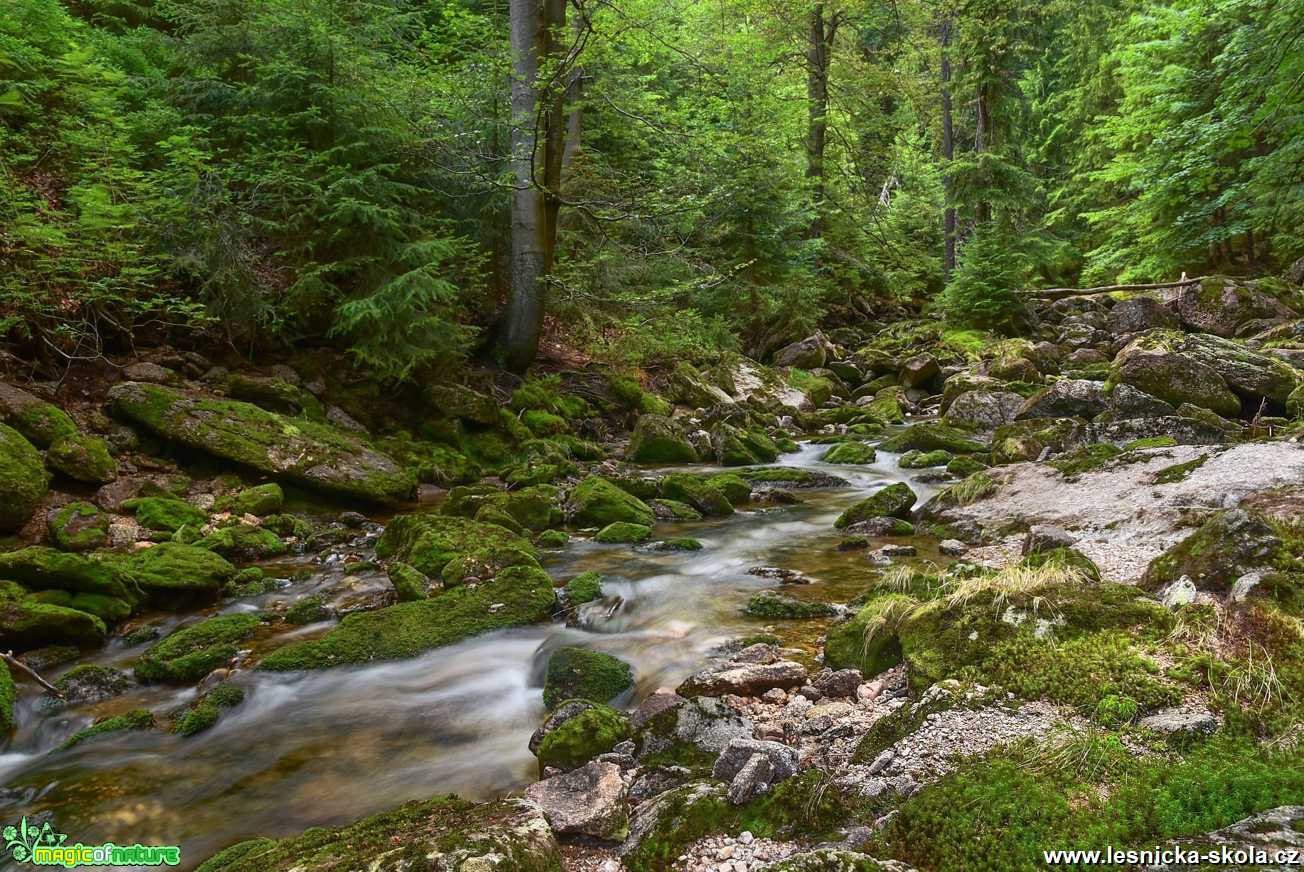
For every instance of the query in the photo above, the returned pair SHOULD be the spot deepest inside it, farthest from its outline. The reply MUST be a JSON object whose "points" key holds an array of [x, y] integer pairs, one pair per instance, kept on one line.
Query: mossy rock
{"points": [[1087, 458], [674, 510], [89, 682], [520, 595], [23, 479], [42, 568], [507, 834], [584, 588], [243, 542], [791, 477], [8, 693], [553, 539], [1216, 554], [186, 655], [136, 719], [932, 436], [1027, 439], [84, 458], [109, 609], [26, 622], [1151, 363], [429, 543], [680, 544], [869, 641], [79, 526], [851, 453], [39, 422], [698, 493], [774, 605], [306, 452], [924, 459], [409, 584], [204, 712], [1066, 558], [308, 610], [260, 500], [596, 502], [171, 567], [595, 730], [893, 501], [542, 423], [165, 514], [579, 673], [494, 513], [657, 439], [445, 466], [622, 532], [736, 489], [536, 508], [965, 466]]}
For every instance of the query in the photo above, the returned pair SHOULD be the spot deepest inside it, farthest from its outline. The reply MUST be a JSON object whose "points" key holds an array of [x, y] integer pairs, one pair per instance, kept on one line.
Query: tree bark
{"points": [[538, 138], [818, 49], [948, 153]]}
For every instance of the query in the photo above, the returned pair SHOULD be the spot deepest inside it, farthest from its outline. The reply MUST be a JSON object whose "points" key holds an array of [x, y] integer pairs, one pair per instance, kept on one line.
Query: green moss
{"points": [[850, 452], [924, 459], [1179, 471], [79, 526], [869, 641], [965, 466], [579, 673], [188, 654], [165, 514], [697, 492], [1086, 458], [657, 439], [7, 696], [41, 568], [23, 479], [1068, 558], [535, 508], [136, 719], [932, 436], [583, 588], [40, 422], [893, 501], [736, 489], [263, 499], [1115, 711], [553, 539], [173, 567], [1150, 442], [243, 542], [409, 584], [594, 731], [84, 458], [205, 711], [596, 502], [429, 543], [543, 423], [308, 610], [621, 532], [109, 609], [26, 622], [676, 510], [786, 475], [518, 594], [772, 604], [681, 544]]}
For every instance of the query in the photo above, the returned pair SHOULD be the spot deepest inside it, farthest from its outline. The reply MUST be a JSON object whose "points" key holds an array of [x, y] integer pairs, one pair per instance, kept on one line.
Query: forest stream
{"points": [[454, 720]]}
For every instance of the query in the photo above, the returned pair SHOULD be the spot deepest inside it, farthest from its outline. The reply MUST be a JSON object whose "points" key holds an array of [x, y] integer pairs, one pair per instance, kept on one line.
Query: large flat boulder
{"points": [[294, 449]]}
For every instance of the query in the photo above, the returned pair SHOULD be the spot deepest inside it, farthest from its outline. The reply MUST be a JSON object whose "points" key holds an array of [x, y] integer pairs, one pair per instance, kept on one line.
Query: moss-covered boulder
{"points": [[596, 502], [771, 604], [850, 452], [583, 588], [536, 508], [186, 655], [1152, 363], [165, 514], [697, 492], [518, 595], [736, 489], [26, 622], [23, 479], [623, 533], [674, 510], [88, 683], [260, 500], [893, 501], [1216, 554], [1028, 439], [171, 568], [579, 673], [243, 542], [7, 696], [39, 422], [1064, 557], [924, 459], [869, 640], [42, 568], [109, 609], [306, 452], [84, 458], [409, 584], [430, 543], [594, 730], [508, 834], [204, 712], [78, 526], [657, 439], [933, 436], [136, 719], [791, 477]]}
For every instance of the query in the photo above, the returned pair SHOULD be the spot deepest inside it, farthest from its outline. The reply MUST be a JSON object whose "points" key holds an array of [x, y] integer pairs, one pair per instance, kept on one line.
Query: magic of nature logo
{"points": [[42, 845]]}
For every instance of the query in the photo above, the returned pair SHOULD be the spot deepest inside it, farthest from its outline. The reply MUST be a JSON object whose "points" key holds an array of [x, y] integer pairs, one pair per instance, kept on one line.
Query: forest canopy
{"points": [[644, 180]]}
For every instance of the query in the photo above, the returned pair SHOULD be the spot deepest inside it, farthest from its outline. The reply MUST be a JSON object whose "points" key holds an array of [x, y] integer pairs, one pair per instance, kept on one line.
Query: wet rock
{"points": [[952, 547], [780, 574], [308, 453], [744, 680], [590, 800], [893, 501], [597, 502], [89, 683], [579, 673]]}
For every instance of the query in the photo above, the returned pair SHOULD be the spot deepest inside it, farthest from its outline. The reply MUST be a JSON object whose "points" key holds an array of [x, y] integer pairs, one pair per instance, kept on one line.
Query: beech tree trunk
{"points": [[538, 139], [948, 152], [818, 50]]}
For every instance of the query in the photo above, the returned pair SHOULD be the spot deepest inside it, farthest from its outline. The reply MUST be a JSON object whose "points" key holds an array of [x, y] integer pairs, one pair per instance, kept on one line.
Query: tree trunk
{"points": [[538, 137], [982, 133], [948, 153], [819, 47]]}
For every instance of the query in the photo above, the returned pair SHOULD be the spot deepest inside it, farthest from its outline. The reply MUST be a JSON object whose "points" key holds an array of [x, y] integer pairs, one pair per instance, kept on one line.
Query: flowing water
{"points": [[327, 747]]}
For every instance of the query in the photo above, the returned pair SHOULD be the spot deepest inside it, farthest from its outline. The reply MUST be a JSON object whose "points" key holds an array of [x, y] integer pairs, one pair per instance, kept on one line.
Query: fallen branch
{"points": [[1061, 293], [8, 657]]}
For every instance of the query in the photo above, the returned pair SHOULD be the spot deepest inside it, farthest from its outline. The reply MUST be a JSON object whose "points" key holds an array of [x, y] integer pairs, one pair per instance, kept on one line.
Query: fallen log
{"points": [[1062, 293]]}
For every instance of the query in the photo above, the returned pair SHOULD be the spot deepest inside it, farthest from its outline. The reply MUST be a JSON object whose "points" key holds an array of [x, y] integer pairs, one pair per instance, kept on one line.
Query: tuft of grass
{"points": [[972, 489], [1017, 585]]}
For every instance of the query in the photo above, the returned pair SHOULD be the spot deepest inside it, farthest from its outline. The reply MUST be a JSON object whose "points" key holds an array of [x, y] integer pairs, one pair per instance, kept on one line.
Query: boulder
{"points": [[1223, 548], [982, 409], [313, 454], [1065, 399], [576, 732], [27, 622], [687, 386], [920, 371], [934, 436], [596, 502], [23, 479], [893, 501], [809, 353], [78, 526], [1046, 537], [749, 679], [851, 452], [1221, 305], [752, 767], [1250, 374], [657, 439], [579, 673], [1186, 721], [1030, 438], [868, 642], [1140, 314], [589, 801], [697, 492], [448, 548], [39, 422], [1151, 365]]}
